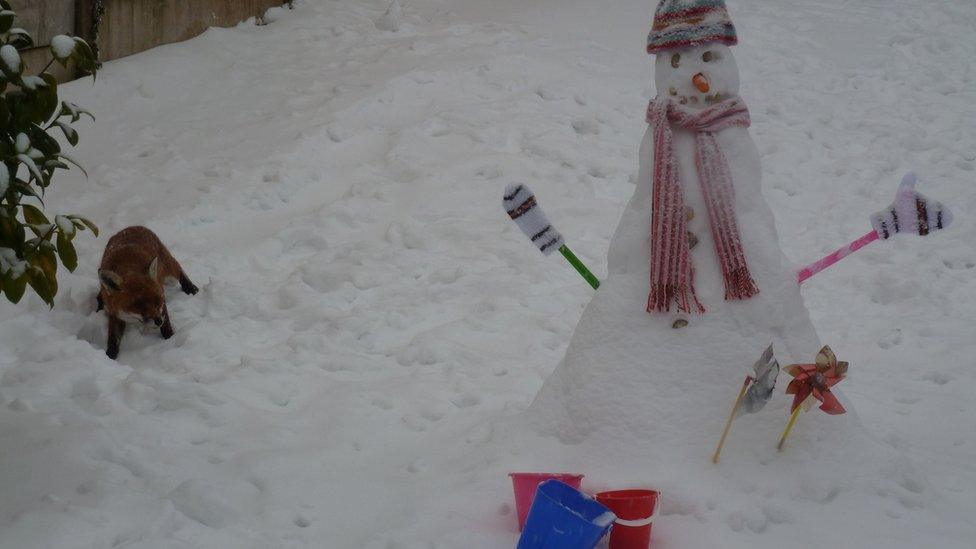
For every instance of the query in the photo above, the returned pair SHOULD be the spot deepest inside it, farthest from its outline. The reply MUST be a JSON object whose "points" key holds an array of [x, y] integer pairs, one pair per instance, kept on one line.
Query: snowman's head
{"points": [[697, 77]]}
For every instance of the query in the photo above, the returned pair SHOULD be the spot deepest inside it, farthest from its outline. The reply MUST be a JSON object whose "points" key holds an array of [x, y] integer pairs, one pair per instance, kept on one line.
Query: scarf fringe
{"points": [[740, 285], [663, 295]]}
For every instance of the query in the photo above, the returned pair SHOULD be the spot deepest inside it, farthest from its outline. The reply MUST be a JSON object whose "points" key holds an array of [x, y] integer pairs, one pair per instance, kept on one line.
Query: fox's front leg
{"points": [[166, 329], [187, 286], [116, 328]]}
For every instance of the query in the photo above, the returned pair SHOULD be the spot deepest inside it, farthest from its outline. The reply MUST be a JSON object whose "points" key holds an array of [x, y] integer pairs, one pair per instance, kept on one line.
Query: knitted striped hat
{"points": [[686, 23]]}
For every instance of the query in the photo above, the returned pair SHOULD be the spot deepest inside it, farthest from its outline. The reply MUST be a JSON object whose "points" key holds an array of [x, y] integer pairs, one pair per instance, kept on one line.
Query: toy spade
{"points": [[522, 207], [911, 212]]}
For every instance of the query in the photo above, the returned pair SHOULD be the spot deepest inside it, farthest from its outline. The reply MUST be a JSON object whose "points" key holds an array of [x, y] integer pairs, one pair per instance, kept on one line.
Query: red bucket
{"points": [[635, 510], [525, 485]]}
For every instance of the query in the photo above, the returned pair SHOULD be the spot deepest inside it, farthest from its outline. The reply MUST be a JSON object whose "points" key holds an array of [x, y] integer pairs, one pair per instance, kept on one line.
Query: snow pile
{"points": [[371, 325], [390, 21]]}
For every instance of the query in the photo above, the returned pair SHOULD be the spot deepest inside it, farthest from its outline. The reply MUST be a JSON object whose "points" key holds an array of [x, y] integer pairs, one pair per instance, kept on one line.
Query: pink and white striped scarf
{"points": [[672, 275]]}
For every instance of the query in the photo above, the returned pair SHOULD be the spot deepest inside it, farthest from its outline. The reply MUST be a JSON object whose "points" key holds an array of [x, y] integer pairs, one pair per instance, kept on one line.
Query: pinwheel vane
{"points": [[814, 380], [755, 393]]}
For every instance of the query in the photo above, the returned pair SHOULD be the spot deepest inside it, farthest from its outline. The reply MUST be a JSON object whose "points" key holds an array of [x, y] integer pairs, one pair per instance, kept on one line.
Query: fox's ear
{"points": [[111, 281], [154, 268]]}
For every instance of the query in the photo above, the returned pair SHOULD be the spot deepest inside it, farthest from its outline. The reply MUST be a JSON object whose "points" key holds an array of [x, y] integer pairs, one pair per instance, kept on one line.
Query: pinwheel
{"points": [[755, 393], [814, 380]]}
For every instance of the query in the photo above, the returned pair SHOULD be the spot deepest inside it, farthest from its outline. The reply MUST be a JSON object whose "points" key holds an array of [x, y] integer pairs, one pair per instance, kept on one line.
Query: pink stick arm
{"points": [[805, 273]]}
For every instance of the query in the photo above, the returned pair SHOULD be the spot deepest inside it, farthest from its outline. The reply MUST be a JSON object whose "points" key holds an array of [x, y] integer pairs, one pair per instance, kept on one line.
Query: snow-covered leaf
{"points": [[70, 109], [10, 265], [29, 162], [65, 225], [22, 143], [20, 38], [84, 221], [69, 133], [10, 57], [33, 82], [62, 47], [74, 162]]}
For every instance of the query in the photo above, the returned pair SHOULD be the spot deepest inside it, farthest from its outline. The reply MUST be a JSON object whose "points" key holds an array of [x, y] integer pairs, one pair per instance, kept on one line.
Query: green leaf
{"points": [[24, 187], [43, 141], [6, 20], [66, 251], [52, 164], [4, 116], [45, 260], [85, 57], [34, 215], [46, 287], [47, 97], [14, 288]]}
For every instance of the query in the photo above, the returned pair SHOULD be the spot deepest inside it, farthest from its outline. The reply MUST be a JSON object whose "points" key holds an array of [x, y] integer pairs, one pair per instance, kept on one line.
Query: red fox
{"points": [[134, 266]]}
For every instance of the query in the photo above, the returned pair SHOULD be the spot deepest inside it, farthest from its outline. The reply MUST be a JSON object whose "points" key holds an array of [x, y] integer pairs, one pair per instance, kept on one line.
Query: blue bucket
{"points": [[564, 518]]}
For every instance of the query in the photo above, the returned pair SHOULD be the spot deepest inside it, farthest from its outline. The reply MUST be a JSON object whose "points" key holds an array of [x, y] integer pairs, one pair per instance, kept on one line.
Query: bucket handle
{"points": [[639, 523]]}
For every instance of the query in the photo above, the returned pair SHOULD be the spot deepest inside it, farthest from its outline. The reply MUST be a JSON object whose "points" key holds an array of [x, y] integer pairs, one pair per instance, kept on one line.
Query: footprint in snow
{"points": [[414, 423], [586, 127], [890, 340]]}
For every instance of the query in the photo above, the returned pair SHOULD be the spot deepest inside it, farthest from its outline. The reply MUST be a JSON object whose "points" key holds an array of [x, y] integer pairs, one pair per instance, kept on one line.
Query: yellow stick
{"points": [[789, 427], [728, 423]]}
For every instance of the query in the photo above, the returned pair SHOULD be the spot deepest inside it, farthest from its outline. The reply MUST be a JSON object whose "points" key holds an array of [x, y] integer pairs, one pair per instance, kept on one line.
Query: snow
{"points": [[390, 21], [371, 326], [62, 46], [10, 58], [22, 143]]}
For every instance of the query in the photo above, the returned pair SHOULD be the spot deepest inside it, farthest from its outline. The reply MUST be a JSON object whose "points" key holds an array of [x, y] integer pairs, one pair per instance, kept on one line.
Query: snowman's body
{"points": [[629, 374]]}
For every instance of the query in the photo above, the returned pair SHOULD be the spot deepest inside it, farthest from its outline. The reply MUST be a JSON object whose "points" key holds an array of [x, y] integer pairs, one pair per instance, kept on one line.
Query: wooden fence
{"points": [[125, 27]]}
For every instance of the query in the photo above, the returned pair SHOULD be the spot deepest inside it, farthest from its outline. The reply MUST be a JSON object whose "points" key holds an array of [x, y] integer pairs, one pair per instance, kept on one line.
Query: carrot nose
{"points": [[700, 82]]}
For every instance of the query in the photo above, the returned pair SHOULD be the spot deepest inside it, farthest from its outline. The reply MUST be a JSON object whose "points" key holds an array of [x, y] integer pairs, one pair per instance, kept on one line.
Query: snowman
{"points": [[697, 289], [697, 284]]}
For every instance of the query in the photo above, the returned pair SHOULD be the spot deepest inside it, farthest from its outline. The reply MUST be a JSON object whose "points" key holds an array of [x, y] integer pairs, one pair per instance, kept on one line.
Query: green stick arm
{"points": [[578, 265]]}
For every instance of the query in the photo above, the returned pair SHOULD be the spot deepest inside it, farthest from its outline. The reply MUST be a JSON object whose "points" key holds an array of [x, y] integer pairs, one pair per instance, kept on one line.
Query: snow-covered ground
{"points": [[369, 316]]}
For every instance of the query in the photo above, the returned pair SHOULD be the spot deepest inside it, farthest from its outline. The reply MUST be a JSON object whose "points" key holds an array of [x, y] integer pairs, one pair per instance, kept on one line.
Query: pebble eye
{"points": [[676, 60], [707, 56]]}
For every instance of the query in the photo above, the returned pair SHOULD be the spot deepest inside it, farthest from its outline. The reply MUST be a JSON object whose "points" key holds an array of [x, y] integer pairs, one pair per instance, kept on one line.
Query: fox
{"points": [[131, 275]]}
